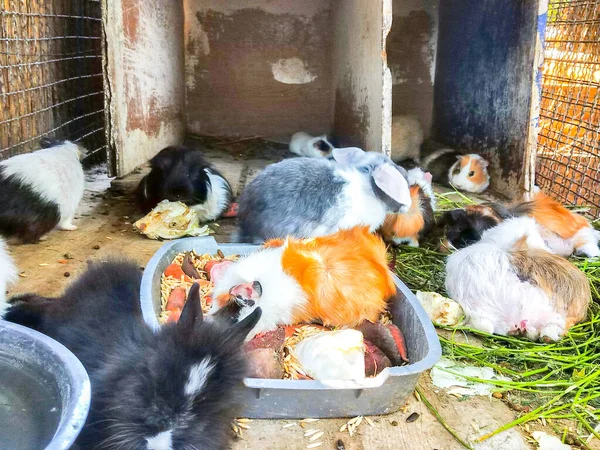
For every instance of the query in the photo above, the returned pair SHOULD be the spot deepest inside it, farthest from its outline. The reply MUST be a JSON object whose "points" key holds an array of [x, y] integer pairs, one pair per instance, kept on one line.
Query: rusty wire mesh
{"points": [[51, 74], [568, 156]]}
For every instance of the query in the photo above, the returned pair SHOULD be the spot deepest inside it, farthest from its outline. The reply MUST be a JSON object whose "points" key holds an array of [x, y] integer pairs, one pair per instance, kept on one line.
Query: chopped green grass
{"points": [[559, 380]]}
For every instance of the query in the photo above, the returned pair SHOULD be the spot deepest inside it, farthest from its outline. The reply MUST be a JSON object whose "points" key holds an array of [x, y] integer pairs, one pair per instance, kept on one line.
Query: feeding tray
{"points": [[296, 399]]}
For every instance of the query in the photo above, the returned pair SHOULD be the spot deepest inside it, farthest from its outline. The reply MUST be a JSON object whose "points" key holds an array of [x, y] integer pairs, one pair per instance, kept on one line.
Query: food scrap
{"points": [[171, 220]]}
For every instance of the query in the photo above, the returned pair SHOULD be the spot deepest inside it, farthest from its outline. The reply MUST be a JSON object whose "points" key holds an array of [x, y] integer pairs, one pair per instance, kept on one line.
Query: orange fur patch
{"points": [[555, 217], [222, 299], [464, 160], [344, 275], [274, 243], [479, 177], [405, 225]]}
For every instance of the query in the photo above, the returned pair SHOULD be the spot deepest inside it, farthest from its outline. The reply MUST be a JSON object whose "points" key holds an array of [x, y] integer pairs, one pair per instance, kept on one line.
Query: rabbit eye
{"points": [[471, 173]]}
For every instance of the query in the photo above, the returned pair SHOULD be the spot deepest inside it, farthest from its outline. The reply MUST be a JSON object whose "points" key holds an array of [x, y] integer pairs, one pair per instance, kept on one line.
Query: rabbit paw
{"points": [[67, 226], [551, 332]]}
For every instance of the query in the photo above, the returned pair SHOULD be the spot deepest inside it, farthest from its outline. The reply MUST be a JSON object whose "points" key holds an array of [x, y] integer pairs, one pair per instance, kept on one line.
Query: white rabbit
{"points": [[303, 144]]}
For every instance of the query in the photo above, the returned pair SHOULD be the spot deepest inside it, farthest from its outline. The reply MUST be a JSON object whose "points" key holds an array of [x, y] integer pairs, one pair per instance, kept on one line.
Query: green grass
{"points": [[559, 380]]}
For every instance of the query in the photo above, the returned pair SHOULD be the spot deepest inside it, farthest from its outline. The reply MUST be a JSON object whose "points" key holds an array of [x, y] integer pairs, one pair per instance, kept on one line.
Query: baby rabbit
{"points": [[341, 279], [418, 220], [510, 283], [407, 138], [40, 191], [303, 144], [306, 197], [173, 389], [8, 273], [465, 172], [181, 174]]}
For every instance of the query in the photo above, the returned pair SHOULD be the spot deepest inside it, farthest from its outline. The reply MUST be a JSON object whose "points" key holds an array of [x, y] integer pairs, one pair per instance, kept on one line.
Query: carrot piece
{"points": [[176, 299], [175, 271], [399, 340], [174, 316]]}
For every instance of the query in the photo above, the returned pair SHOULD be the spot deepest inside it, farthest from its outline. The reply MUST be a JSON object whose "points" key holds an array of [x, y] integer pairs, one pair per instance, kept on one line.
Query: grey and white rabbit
{"points": [[8, 273], [308, 197], [303, 144], [173, 389], [183, 174], [510, 283], [41, 191]]}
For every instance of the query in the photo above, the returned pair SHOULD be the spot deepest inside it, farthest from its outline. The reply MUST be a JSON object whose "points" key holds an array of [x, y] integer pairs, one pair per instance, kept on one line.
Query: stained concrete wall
{"points": [[362, 82], [411, 49], [144, 83], [258, 67]]}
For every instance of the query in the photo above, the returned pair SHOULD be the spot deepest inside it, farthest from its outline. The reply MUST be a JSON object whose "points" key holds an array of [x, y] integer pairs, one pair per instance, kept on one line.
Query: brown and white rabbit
{"points": [[510, 283], [173, 389], [407, 138], [465, 172], [40, 191], [339, 279], [411, 226], [303, 144]]}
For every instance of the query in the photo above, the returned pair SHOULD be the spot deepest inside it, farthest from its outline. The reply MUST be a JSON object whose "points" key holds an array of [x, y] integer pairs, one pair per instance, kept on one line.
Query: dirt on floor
{"points": [[105, 230]]}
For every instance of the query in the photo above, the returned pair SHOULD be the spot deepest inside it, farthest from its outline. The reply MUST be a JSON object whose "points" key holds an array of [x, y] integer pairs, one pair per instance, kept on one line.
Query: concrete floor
{"points": [[105, 230]]}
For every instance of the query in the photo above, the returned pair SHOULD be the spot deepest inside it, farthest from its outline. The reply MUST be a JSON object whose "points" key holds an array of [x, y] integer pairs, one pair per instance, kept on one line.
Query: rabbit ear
{"points": [[348, 155], [391, 182], [248, 323], [191, 316]]}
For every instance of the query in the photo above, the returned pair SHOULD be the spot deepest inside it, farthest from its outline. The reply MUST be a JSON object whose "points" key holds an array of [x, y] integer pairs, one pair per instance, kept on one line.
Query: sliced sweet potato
{"points": [[176, 299], [270, 339], [175, 271], [264, 363], [375, 359], [388, 338], [174, 316]]}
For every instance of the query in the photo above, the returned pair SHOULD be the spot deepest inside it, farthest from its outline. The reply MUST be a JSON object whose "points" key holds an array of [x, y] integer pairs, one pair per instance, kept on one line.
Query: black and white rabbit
{"points": [[309, 197], [303, 144], [184, 175], [40, 191], [8, 273], [171, 389]]}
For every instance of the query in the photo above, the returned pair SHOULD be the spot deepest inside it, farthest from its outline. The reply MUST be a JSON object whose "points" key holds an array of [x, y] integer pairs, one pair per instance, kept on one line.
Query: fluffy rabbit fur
{"points": [[407, 138], [303, 144], [182, 174], [418, 220], [466, 172], [173, 389], [564, 232], [8, 273], [40, 191], [509, 283], [341, 279], [306, 197]]}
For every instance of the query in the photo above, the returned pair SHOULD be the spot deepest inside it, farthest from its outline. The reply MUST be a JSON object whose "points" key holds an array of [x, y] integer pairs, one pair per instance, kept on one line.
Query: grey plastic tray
{"points": [[271, 399]]}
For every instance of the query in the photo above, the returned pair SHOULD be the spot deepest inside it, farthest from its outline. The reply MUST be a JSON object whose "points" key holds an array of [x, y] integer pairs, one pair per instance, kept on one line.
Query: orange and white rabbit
{"points": [[339, 279]]}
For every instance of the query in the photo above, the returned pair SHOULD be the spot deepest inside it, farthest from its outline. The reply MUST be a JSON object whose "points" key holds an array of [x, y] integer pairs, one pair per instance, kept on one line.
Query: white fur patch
{"points": [[198, 376], [162, 441], [8, 273], [55, 174], [417, 177], [216, 200], [358, 202], [281, 293], [303, 144], [587, 242]]}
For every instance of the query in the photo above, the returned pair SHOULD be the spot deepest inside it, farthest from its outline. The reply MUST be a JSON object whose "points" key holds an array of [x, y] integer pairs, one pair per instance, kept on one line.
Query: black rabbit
{"points": [[173, 389], [182, 174]]}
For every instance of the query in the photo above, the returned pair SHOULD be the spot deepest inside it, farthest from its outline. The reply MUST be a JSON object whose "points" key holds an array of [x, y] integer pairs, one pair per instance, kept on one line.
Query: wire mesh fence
{"points": [[568, 156], [51, 81]]}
